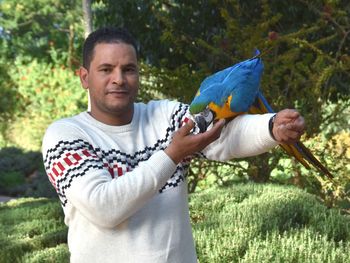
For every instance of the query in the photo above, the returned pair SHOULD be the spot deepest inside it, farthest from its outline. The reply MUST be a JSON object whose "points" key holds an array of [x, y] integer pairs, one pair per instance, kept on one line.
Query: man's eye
{"points": [[130, 69], [105, 70]]}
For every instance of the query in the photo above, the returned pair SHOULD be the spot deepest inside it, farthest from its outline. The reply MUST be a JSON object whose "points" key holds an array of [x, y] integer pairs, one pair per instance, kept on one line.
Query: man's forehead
{"points": [[116, 45], [106, 53]]}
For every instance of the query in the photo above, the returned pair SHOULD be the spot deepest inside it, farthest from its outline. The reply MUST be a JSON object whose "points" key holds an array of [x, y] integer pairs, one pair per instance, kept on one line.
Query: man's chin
{"points": [[121, 108]]}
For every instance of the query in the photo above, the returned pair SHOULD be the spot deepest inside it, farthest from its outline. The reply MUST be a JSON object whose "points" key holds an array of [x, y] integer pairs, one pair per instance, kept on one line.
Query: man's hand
{"points": [[185, 143], [288, 126]]}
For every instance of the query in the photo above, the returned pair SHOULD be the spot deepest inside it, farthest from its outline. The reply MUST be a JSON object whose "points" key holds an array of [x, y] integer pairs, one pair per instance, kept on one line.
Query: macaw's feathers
{"points": [[298, 150], [236, 87], [302, 153], [236, 90], [256, 52], [260, 105]]}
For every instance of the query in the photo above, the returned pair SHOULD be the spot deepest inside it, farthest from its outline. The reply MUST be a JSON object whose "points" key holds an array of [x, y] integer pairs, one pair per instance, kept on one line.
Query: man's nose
{"points": [[118, 77]]}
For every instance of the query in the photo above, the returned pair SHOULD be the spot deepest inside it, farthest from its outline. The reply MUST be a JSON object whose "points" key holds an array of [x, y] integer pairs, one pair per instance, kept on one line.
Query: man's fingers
{"points": [[286, 135], [289, 125], [297, 125], [186, 129], [287, 115], [215, 131], [293, 114], [219, 125]]}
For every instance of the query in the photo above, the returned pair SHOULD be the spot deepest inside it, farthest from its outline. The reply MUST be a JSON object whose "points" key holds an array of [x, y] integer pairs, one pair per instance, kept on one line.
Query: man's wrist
{"points": [[271, 124], [172, 155]]}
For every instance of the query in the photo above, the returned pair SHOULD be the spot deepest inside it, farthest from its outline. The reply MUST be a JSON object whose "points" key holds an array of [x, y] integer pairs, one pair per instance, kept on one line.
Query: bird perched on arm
{"points": [[236, 90]]}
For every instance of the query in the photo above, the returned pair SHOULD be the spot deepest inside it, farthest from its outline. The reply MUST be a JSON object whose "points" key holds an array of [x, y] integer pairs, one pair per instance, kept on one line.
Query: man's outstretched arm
{"points": [[249, 135]]}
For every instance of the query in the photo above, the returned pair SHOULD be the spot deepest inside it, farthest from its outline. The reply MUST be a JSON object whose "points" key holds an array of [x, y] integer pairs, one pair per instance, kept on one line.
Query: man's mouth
{"points": [[121, 92]]}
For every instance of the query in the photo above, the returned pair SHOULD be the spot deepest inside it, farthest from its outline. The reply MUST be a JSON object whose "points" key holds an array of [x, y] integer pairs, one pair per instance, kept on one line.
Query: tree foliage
{"points": [[32, 30], [48, 91], [305, 47]]}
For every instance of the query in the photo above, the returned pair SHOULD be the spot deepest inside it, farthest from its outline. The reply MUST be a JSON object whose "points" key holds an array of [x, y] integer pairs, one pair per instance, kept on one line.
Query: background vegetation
{"points": [[244, 223], [305, 47]]}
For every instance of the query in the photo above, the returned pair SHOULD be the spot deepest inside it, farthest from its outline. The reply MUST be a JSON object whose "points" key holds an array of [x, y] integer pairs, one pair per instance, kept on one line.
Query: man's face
{"points": [[113, 82]]}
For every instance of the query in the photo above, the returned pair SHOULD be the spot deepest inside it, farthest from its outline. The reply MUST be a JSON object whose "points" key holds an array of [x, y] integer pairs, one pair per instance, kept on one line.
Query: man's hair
{"points": [[105, 35]]}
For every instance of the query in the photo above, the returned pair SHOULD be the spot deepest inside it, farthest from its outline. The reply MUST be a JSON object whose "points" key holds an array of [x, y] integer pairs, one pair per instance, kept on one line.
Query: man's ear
{"points": [[84, 74]]}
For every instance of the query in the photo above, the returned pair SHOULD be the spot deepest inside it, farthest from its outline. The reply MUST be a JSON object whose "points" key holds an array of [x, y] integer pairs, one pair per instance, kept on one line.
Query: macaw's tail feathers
{"points": [[304, 156], [298, 150], [313, 160], [292, 150]]}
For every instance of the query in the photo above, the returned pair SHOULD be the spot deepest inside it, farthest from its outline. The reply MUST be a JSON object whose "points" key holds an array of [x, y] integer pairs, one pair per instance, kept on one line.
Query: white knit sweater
{"points": [[123, 198]]}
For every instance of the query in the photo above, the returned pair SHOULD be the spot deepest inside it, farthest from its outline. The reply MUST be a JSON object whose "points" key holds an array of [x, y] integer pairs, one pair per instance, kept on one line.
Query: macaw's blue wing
{"points": [[298, 149], [231, 91], [211, 90], [246, 84]]}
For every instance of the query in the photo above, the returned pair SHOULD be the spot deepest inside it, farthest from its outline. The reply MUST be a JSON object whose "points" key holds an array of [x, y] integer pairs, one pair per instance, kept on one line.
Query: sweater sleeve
{"points": [[81, 181], [244, 136]]}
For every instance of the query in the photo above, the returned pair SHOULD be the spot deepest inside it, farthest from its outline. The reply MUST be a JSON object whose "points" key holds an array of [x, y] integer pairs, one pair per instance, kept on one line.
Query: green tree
{"points": [[34, 30]]}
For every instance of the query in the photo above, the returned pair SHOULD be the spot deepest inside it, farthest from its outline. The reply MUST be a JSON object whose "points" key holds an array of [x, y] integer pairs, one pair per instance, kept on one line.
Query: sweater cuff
{"points": [[163, 165], [164, 162], [266, 135]]}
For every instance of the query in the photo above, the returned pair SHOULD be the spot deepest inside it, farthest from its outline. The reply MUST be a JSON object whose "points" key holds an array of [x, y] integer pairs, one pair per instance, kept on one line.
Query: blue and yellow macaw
{"points": [[236, 90]]}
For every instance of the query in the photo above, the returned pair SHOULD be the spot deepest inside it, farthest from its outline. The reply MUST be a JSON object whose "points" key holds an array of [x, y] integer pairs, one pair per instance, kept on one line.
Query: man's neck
{"points": [[113, 119]]}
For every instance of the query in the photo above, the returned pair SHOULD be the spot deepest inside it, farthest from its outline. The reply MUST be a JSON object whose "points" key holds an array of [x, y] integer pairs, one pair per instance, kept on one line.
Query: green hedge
{"points": [[244, 223], [22, 174], [267, 223], [32, 230]]}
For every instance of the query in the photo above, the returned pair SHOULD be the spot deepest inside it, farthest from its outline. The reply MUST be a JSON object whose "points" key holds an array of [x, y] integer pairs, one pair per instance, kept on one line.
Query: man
{"points": [[119, 170]]}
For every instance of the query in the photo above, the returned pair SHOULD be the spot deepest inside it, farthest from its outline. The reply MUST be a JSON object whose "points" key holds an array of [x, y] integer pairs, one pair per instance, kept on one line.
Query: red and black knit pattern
{"points": [[68, 160]]}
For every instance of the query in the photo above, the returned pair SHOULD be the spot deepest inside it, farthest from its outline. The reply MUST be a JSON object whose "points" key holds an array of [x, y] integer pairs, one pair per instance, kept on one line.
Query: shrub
{"points": [[11, 179], [244, 223], [30, 225], [48, 91], [15, 168], [14, 159], [22, 174], [287, 224], [56, 254]]}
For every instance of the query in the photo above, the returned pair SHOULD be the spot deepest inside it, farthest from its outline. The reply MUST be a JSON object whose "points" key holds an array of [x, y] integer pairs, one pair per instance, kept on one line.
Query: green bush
{"points": [[15, 167], [11, 179], [47, 91], [39, 186], [30, 225], [267, 223], [22, 174], [244, 223], [56, 254], [17, 160]]}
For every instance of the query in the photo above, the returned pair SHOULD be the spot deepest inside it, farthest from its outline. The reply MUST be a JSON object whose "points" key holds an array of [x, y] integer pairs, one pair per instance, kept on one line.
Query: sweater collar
{"points": [[111, 128]]}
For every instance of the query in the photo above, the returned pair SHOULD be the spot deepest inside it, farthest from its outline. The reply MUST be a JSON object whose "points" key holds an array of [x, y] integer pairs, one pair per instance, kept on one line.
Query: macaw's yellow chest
{"points": [[224, 111]]}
